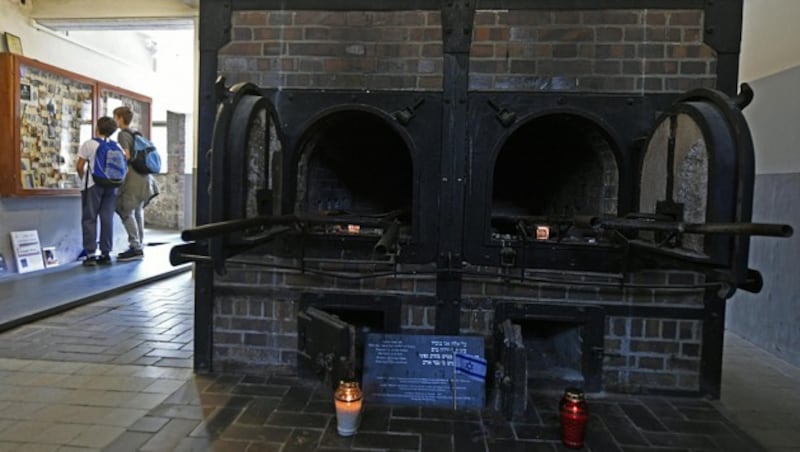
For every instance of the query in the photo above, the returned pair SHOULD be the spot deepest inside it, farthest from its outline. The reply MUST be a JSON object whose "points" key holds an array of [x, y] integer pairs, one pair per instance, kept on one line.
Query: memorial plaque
{"points": [[402, 369]]}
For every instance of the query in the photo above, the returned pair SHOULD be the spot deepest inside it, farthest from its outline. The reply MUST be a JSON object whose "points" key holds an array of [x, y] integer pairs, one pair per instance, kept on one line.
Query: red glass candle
{"points": [[574, 416]]}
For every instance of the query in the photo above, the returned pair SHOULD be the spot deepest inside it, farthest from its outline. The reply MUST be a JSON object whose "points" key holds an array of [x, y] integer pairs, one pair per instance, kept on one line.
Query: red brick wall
{"points": [[255, 316], [609, 51]]}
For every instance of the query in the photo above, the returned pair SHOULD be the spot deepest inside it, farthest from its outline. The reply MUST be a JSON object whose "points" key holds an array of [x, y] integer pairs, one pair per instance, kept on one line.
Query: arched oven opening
{"points": [[354, 162], [550, 170]]}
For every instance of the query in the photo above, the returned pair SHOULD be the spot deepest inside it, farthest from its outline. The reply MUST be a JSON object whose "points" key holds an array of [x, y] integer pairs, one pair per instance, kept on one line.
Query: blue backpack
{"points": [[109, 167], [145, 159]]}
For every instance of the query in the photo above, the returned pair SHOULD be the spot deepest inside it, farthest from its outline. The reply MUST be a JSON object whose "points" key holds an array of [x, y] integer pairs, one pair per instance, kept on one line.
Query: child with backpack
{"points": [[102, 166], [139, 187]]}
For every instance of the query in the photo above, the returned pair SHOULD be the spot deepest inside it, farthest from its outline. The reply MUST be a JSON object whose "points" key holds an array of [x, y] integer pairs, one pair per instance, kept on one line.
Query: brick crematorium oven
{"points": [[569, 181]]}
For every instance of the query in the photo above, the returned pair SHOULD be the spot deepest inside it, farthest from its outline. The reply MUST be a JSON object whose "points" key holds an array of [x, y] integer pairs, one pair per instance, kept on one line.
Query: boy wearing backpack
{"points": [[102, 166], [135, 193]]}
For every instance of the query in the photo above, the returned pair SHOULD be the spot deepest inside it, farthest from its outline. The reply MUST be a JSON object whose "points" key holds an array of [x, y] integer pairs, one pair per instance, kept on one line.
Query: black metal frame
{"points": [[722, 32], [299, 110]]}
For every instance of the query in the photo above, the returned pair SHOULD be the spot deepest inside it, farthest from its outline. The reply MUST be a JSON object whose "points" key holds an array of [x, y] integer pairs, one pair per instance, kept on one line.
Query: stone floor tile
{"points": [[25, 431], [257, 390], [191, 412], [266, 434], [428, 412], [623, 431], [12, 364], [220, 420], [642, 417], [96, 436], [61, 433], [121, 417], [21, 411], [119, 383], [780, 437], [324, 406], [421, 426], [258, 410], [688, 441], [200, 444], [295, 399], [331, 439], [163, 386], [391, 441], [265, 447], [436, 443], [169, 436], [651, 449], [128, 442], [302, 440], [405, 411], [289, 419], [173, 362], [523, 446], [142, 400], [148, 424], [31, 447], [468, 436], [96, 398], [537, 432], [374, 418], [75, 414]]}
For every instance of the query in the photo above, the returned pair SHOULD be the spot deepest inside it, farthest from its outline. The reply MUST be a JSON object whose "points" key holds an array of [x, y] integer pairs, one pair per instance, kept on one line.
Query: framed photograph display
{"points": [[13, 43], [111, 97], [45, 115]]}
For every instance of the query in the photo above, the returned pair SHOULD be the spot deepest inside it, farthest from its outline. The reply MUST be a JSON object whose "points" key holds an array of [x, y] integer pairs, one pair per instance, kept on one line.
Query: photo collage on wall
{"points": [[55, 118], [109, 100]]}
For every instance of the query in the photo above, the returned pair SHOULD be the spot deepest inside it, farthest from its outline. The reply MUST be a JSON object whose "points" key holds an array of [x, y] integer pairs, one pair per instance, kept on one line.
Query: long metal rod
{"points": [[762, 229], [224, 227]]}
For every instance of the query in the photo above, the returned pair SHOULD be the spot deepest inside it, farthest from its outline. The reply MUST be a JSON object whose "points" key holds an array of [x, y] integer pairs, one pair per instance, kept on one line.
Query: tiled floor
{"points": [[116, 375]]}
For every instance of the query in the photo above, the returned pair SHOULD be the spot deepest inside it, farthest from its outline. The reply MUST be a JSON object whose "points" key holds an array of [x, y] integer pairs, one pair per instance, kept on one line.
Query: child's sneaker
{"points": [[130, 254], [105, 259], [90, 261]]}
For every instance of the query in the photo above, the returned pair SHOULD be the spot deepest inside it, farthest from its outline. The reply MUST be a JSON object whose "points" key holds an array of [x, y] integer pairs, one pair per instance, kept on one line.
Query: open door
{"points": [[326, 346], [697, 167], [242, 192]]}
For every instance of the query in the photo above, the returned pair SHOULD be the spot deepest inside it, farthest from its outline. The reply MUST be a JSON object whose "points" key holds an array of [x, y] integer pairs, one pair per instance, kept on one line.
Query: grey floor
{"points": [[115, 374], [30, 296]]}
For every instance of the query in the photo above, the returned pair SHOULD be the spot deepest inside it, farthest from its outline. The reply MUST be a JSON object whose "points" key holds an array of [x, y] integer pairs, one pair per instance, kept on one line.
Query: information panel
{"points": [[27, 251], [445, 371]]}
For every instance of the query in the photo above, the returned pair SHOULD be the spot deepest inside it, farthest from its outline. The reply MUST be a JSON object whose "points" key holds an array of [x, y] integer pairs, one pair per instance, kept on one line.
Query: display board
{"points": [[407, 369], [27, 251]]}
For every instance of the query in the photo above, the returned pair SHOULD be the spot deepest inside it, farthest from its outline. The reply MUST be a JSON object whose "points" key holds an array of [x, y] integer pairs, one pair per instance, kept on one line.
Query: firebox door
{"points": [[697, 167]]}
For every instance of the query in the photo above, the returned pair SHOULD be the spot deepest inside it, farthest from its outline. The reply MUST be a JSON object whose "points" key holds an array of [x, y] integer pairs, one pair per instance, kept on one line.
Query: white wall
{"points": [[774, 120], [49, 48], [770, 38], [770, 62]]}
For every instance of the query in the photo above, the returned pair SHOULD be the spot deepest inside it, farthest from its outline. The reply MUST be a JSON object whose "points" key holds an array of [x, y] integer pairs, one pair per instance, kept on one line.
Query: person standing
{"points": [[96, 200], [135, 193]]}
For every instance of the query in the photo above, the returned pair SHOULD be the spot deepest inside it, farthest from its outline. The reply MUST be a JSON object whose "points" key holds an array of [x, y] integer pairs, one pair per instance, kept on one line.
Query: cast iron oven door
{"points": [[697, 167]]}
